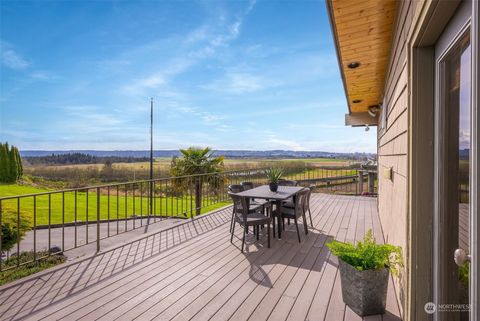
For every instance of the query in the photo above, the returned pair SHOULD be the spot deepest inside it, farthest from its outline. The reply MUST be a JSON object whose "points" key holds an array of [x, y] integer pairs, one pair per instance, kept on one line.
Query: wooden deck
{"points": [[192, 272]]}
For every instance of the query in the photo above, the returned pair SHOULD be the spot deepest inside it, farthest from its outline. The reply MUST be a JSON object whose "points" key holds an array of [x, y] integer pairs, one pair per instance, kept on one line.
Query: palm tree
{"points": [[195, 161]]}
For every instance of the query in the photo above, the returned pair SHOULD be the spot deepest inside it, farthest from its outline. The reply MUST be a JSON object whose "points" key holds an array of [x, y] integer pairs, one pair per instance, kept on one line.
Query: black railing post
{"points": [[98, 219], [360, 182], [108, 211], [75, 222], [86, 215], [34, 228], [49, 223], [150, 197], [371, 182], [1, 251], [63, 221], [18, 232]]}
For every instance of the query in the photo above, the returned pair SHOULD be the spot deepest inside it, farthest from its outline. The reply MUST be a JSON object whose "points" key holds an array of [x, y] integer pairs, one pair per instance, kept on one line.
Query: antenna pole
{"points": [[151, 155]]}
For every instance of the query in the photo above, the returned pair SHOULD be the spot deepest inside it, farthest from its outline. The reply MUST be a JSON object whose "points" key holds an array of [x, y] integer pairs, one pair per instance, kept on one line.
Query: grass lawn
{"points": [[83, 209], [15, 189]]}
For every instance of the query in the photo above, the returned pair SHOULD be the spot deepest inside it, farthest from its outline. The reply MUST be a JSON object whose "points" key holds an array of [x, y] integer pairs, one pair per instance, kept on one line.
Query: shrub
{"points": [[29, 267], [368, 255], [10, 234]]}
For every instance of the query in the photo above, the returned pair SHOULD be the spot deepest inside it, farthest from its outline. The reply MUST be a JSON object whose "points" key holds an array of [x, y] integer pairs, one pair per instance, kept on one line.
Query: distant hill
{"points": [[227, 153]]}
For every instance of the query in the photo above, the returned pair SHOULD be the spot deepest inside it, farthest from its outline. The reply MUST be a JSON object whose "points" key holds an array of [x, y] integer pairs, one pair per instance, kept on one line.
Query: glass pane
{"points": [[458, 108], [464, 170]]}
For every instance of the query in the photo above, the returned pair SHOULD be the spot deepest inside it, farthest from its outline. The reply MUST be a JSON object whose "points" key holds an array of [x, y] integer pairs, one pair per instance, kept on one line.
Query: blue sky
{"points": [[225, 74]]}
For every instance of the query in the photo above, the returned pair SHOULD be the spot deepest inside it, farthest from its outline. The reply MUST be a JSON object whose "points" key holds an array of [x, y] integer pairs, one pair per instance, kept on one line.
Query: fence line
{"points": [[89, 214]]}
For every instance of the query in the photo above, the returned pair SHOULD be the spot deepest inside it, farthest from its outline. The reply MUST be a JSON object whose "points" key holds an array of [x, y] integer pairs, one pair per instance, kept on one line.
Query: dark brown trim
{"points": [[421, 176], [475, 204], [429, 25]]}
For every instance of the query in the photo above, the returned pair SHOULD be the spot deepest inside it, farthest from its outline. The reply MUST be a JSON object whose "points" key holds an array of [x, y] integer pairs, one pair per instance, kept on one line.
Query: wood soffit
{"points": [[363, 31]]}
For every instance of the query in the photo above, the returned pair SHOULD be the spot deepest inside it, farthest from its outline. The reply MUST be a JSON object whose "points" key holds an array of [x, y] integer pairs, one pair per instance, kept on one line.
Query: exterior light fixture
{"points": [[367, 128], [353, 65], [373, 110]]}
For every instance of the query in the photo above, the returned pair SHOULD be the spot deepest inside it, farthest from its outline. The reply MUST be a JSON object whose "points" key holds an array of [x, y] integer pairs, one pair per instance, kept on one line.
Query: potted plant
{"points": [[273, 176], [364, 272]]}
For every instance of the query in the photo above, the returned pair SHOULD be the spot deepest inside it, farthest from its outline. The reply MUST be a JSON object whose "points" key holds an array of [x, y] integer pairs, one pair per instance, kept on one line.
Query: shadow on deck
{"points": [[192, 271]]}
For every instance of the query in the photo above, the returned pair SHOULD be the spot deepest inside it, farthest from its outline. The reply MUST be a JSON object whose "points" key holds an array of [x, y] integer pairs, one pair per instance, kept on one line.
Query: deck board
{"points": [[193, 272]]}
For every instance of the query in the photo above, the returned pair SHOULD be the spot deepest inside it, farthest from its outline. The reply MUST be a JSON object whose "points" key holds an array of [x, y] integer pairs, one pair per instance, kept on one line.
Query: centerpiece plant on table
{"points": [[273, 176]]}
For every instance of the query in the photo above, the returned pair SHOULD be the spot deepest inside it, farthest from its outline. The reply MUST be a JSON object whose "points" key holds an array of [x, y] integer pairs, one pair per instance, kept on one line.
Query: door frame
{"points": [[456, 29], [475, 196], [429, 21]]}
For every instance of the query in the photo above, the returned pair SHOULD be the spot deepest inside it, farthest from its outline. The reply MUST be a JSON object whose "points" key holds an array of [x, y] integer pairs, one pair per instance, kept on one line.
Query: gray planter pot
{"points": [[365, 292]]}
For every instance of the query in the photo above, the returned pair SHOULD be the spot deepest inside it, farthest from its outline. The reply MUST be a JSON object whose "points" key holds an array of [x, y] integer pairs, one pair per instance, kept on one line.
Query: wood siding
{"points": [[393, 142]]}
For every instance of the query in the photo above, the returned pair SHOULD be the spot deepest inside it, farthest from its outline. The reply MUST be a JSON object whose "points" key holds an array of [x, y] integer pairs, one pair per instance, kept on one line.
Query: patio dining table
{"points": [[283, 193]]}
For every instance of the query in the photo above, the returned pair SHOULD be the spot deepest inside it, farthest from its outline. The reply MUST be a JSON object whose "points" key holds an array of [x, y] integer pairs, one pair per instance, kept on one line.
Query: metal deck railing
{"points": [[81, 216]]}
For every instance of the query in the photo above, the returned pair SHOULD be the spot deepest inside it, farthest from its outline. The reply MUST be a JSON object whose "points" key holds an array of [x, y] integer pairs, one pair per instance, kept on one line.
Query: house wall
{"points": [[393, 143]]}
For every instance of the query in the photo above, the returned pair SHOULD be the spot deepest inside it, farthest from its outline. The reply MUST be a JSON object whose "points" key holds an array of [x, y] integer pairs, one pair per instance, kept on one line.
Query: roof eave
{"points": [[331, 19]]}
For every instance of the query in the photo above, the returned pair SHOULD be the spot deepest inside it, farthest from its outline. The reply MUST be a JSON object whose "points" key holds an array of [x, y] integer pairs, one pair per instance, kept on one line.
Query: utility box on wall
{"points": [[388, 173]]}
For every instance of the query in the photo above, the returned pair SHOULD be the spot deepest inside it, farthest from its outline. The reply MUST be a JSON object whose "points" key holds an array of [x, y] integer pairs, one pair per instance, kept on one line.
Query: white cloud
{"points": [[201, 43], [223, 128], [10, 58], [250, 7], [43, 75], [278, 143], [211, 118], [243, 83], [237, 83], [151, 81], [208, 118], [160, 78], [89, 116], [197, 35]]}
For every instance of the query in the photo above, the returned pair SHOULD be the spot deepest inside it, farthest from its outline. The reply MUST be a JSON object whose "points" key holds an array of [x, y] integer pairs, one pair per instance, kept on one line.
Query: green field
{"points": [[63, 208]]}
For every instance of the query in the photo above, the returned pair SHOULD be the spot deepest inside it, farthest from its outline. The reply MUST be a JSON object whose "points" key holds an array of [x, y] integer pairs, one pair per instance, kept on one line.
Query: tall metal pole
{"points": [[151, 155]]}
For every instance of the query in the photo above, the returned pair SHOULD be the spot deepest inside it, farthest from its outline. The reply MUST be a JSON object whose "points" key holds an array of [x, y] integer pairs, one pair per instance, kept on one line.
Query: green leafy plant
{"points": [[463, 274], [368, 255], [11, 231], [28, 267], [274, 174], [197, 161]]}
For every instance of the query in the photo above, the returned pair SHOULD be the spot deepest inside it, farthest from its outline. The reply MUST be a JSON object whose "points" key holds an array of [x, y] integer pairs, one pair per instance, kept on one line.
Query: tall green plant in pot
{"points": [[273, 176], [364, 271]]}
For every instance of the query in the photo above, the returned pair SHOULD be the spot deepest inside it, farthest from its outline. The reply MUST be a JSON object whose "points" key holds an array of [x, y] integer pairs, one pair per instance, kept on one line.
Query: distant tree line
{"points": [[81, 158], [11, 168]]}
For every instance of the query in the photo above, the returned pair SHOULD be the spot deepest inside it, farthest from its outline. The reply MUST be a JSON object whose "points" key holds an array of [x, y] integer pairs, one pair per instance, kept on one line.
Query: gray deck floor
{"points": [[192, 272]]}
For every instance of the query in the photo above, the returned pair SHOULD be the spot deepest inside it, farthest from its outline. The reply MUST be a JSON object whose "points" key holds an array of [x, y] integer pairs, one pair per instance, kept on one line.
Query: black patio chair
{"points": [[247, 185], [253, 207], [286, 182], [245, 218], [307, 204], [297, 211], [290, 204]]}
